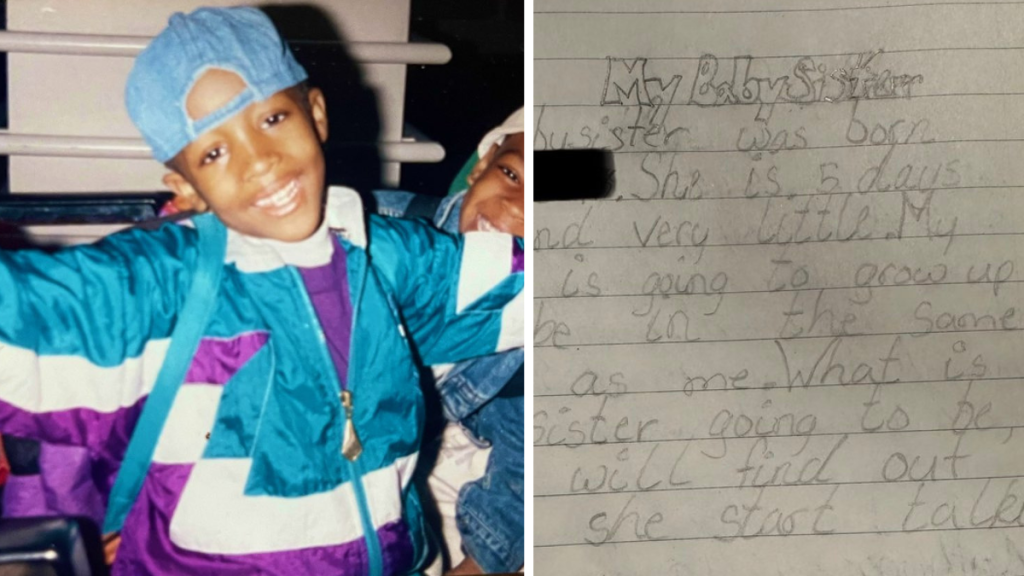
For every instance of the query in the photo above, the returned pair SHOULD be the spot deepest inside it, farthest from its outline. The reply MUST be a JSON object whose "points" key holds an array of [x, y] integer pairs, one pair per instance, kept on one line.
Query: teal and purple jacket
{"points": [[248, 476]]}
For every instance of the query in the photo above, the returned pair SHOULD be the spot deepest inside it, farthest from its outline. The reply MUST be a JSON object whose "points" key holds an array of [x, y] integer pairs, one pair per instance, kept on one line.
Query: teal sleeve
{"points": [[102, 301], [452, 311]]}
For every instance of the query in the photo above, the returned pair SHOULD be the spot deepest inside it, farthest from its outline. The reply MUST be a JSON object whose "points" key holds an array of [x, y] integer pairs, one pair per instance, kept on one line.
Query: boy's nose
{"points": [[260, 160]]}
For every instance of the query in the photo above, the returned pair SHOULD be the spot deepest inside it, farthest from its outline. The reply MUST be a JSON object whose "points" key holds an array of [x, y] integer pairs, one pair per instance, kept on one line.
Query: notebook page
{"points": [[789, 340]]}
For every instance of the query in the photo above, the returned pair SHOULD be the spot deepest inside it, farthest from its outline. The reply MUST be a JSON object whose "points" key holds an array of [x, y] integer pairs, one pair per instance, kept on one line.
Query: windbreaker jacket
{"points": [[248, 475]]}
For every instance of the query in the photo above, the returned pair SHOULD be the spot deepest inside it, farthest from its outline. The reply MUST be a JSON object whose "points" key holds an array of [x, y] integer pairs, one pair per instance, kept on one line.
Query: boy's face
{"points": [[262, 170], [495, 198]]}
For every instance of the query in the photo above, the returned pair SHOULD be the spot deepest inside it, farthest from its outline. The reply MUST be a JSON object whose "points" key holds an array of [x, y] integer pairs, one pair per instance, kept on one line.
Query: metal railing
{"points": [[101, 45], [129, 46], [103, 147]]}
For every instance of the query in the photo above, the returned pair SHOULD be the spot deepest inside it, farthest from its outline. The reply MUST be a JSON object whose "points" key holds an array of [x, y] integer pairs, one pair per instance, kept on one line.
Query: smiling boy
{"points": [[262, 170], [494, 201], [253, 377]]}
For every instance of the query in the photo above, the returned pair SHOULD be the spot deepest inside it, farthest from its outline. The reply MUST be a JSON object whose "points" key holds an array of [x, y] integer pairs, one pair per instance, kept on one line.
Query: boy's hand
{"points": [[110, 543]]}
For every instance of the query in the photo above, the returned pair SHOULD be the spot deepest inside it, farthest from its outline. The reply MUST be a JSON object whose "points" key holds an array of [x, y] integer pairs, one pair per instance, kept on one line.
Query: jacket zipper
{"points": [[354, 467]]}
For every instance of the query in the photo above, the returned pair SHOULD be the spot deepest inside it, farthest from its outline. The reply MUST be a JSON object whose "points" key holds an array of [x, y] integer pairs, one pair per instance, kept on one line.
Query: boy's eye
{"points": [[510, 173], [211, 156], [274, 119]]}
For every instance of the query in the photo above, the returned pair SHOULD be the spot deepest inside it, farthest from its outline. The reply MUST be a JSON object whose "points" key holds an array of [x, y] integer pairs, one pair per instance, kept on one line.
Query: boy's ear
{"points": [[185, 195], [481, 165], [318, 110]]}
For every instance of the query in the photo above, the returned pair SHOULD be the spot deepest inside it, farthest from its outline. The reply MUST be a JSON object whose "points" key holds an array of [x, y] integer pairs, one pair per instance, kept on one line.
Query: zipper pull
{"points": [[351, 447]]}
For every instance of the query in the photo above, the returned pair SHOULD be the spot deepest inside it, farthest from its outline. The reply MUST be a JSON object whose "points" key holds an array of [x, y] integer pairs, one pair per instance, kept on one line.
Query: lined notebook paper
{"points": [[788, 342]]}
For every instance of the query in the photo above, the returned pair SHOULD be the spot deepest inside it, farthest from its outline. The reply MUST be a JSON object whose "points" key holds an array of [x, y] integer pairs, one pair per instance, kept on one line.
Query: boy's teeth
{"points": [[281, 197], [484, 225]]}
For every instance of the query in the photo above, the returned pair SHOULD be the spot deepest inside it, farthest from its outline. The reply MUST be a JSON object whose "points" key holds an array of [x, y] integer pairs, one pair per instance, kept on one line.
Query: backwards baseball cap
{"points": [[512, 125], [240, 40]]}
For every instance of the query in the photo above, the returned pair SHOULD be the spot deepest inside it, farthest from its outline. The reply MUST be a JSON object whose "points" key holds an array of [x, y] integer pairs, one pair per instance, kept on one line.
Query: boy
{"points": [[484, 395], [289, 446]]}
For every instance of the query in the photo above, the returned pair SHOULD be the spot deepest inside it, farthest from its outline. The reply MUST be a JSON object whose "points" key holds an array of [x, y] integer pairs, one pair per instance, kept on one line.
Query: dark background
{"points": [[456, 104]]}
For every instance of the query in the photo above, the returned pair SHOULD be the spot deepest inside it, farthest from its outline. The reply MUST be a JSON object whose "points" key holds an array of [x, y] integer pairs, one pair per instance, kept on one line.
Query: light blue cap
{"points": [[241, 40]]}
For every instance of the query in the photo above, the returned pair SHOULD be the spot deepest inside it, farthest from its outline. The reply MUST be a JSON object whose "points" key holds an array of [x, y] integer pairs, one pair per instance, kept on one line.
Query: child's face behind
{"points": [[262, 170], [495, 198]]}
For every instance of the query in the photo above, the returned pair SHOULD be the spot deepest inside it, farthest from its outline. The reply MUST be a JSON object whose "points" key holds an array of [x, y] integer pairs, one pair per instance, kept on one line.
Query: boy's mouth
{"points": [[484, 225], [281, 202]]}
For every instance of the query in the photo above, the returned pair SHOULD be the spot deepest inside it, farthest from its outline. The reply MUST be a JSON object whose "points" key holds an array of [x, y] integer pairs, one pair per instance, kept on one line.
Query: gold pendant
{"points": [[351, 447]]}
